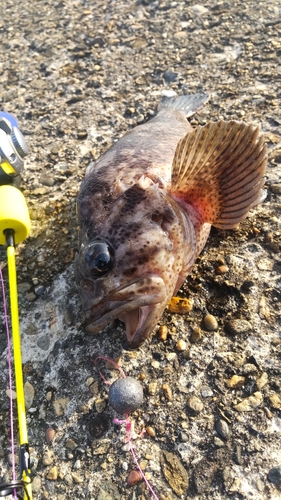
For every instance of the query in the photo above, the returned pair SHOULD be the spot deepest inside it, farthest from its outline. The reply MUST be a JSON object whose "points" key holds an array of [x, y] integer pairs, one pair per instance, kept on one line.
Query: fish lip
{"points": [[108, 310]]}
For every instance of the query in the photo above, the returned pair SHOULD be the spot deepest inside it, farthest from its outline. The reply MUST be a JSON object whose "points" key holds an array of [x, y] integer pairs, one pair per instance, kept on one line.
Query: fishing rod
{"points": [[14, 228]]}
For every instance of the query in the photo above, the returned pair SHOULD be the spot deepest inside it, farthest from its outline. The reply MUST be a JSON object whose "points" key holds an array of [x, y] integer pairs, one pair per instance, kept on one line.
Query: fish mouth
{"points": [[136, 305]]}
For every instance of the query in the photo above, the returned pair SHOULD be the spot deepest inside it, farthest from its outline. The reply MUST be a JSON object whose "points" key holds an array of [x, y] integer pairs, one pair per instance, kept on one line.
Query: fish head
{"points": [[129, 262]]}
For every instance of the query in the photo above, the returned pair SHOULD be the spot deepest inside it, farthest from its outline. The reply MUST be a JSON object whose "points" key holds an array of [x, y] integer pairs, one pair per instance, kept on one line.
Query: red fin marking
{"points": [[218, 169]]}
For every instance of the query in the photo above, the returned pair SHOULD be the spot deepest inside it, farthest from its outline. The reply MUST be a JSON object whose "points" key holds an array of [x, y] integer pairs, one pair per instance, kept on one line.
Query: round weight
{"points": [[125, 395]]}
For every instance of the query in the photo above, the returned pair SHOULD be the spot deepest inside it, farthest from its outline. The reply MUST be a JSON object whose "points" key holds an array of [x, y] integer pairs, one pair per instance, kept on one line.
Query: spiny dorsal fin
{"points": [[218, 169], [188, 104]]}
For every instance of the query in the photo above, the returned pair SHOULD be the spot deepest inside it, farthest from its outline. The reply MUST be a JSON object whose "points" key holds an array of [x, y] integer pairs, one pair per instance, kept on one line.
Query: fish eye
{"points": [[98, 258]]}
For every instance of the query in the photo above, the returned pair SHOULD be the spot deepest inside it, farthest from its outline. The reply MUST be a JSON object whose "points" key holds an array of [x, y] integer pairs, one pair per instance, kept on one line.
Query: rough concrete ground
{"points": [[77, 75]]}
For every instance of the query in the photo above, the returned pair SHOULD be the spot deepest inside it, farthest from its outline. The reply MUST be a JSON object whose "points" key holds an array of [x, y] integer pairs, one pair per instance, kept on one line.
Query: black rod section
{"points": [[10, 237]]}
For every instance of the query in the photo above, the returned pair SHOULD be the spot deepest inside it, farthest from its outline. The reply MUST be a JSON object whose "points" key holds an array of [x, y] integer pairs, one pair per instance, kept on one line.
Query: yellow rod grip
{"points": [[17, 355]]}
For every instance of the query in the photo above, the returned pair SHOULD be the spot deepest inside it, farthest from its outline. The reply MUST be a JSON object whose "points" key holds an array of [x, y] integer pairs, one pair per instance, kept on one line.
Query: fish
{"points": [[146, 207]]}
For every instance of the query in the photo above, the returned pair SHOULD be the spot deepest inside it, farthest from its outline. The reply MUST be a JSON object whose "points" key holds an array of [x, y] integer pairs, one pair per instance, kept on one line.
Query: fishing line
{"points": [[126, 422]]}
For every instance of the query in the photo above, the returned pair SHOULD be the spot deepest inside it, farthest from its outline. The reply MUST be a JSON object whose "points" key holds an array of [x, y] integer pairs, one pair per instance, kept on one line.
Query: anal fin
{"points": [[218, 169]]}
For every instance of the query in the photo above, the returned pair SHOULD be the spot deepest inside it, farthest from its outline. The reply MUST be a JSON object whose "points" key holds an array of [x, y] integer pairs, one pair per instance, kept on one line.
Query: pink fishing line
{"points": [[126, 422], [113, 363], [128, 433], [10, 378]]}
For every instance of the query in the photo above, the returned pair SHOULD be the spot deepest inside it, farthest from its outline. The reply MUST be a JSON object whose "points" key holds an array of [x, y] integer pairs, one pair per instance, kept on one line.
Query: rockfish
{"points": [[146, 207]]}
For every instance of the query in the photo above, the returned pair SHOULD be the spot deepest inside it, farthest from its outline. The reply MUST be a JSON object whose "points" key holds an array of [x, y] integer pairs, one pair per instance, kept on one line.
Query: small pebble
{"points": [[60, 406], [47, 180], [140, 118], [181, 345], [274, 475], [179, 305], [70, 444], [134, 477], [150, 431], [29, 393], [250, 403], [77, 464], [222, 269], [53, 473], [275, 188], [50, 434], [210, 323], [184, 437], [49, 395], [206, 392], [163, 333], [262, 381], [235, 382], [44, 342], [222, 428], [167, 392], [249, 368], [48, 457], [82, 134], [152, 388], [237, 359], [11, 394], [31, 297], [238, 454], [143, 464], [40, 290], [24, 287], [275, 401], [195, 335], [237, 326], [155, 364], [171, 356], [235, 485], [76, 478], [36, 484], [125, 395], [195, 404], [268, 413], [89, 381], [218, 442], [100, 405]]}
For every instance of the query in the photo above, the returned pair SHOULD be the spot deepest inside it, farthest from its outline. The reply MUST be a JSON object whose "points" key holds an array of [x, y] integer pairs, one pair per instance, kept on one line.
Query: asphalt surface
{"points": [[78, 75]]}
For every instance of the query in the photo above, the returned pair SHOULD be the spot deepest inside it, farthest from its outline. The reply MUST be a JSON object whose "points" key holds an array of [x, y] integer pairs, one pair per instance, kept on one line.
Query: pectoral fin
{"points": [[218, 170]]}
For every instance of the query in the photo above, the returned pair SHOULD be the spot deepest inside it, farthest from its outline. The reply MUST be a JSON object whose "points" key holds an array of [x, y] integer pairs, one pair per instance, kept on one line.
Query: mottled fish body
{"points": [[147, 205]]}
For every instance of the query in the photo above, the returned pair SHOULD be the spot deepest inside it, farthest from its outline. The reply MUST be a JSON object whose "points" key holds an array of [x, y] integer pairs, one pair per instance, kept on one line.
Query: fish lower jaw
{"points": [[134, 322], [137, 312]]}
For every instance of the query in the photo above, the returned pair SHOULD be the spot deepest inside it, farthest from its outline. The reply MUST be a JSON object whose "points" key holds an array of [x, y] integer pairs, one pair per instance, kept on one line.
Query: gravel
{"points": [[77, 75]]}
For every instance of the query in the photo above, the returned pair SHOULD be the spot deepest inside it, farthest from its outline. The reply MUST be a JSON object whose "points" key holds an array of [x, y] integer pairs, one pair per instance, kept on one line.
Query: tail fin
{"points": [[218, 169], [187, 104]]}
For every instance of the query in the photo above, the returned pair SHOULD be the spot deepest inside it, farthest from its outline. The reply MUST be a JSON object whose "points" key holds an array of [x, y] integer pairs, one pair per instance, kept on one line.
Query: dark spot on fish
{"points": [[169, 216], [157, 216], [154, 250], [92, 185], [130, 271], [133, 196], [143, 259]]}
